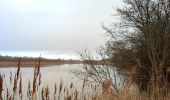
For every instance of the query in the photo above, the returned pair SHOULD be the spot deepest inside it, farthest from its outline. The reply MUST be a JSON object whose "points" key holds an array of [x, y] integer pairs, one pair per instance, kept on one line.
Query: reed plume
{"points": [[1, 86], [55, 89], [47, 93], [20, 87]]}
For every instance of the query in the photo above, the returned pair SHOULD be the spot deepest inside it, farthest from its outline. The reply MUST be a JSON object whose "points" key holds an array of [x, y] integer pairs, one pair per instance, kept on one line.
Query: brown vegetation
{"points": [[143, 41], [99, 92]]}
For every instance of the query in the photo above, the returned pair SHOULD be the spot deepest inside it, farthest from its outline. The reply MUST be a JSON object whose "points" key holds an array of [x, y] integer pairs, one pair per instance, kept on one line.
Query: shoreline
{"points": [[32, 64], [7, 61]]}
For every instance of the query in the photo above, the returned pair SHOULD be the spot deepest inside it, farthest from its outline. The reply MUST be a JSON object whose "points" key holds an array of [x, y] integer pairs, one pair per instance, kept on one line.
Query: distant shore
{"points": [[32, 64], [7, 61]]}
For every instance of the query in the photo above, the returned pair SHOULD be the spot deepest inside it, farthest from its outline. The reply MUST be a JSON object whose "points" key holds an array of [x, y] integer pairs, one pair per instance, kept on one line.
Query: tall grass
{"points": [[36, 92]]}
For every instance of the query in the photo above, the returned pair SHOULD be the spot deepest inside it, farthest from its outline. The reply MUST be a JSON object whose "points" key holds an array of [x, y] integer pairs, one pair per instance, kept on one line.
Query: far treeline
{"points": [[31, 61], [8, 61]]}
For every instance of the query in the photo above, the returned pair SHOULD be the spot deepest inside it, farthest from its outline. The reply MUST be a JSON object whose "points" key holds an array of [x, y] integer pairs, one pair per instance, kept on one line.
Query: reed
{"points": [[20, 87], [47, 93], [103, 92], [1, 85], [55, 89], [42, 94]]}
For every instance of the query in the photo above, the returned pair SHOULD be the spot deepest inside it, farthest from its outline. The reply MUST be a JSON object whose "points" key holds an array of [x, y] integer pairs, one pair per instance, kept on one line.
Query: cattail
{"points": [[34, 80], [39, 79], [42, 94], [38, 66], [37, 75], [47, 93], [106, 86], [1, 86], [18, 69], [16, 76], [55, 91], [61, 86], [20, 87], [15, 84]]}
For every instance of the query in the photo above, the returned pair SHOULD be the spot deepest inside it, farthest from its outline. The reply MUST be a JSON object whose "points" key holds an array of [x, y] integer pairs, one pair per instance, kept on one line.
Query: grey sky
{"points": [[49, 25]]}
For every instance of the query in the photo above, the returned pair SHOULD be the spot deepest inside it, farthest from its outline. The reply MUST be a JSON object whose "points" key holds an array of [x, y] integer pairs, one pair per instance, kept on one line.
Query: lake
{"points": [[50, 76]]}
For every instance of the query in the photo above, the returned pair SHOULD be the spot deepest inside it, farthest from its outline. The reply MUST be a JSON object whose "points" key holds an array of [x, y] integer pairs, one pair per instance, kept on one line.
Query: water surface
{"points": [[50, 76]]}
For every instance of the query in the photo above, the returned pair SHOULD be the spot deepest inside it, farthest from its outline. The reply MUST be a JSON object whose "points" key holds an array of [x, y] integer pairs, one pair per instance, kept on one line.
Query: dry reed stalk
{"points": [[39, 83], [1, 86], [106, 87], [16, 78], [55, 89], [18, 69], [37, 75], [34, 81], [129, 79], [20, 87], [15, 84], [38, 70], [47, 93], [42, 94], [39, 64], [60, 88]]}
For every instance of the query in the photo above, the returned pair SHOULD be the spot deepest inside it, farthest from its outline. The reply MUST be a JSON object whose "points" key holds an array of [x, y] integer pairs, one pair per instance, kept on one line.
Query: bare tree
{"points": [[143, 39], [100, 71]]}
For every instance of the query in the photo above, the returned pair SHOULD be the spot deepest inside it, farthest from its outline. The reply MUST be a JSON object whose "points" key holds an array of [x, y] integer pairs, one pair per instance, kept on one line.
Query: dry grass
{"points": [[66, 93]]}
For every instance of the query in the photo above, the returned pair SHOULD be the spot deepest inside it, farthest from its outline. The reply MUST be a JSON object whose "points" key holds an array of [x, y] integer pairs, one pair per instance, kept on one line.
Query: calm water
{"points": [[50, 76]]}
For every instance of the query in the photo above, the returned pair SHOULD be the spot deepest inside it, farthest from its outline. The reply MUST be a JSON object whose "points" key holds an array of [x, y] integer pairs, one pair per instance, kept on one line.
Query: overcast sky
{"points": [[54, 25]]}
